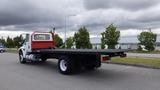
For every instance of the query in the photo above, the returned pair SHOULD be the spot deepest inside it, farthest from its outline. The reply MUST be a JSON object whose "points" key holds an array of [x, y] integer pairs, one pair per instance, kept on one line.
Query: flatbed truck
{"points": [[40, 46]]}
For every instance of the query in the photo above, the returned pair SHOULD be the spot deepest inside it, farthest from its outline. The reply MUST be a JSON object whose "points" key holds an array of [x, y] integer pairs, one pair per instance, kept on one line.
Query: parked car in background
{"points": [[2, 49]]}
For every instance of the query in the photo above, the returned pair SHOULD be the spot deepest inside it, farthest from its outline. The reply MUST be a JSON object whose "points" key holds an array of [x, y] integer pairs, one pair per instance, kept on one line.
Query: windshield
{"points": [[42, 37]]}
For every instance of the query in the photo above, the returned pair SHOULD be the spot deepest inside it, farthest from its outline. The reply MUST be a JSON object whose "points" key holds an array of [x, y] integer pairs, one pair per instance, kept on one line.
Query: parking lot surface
{"points": [[45, 76]]}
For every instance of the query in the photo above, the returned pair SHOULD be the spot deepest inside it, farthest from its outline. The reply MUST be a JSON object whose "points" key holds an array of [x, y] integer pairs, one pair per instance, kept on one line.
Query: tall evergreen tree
{"points": [[58, 41], [9, 42], [17, 41], [82, 38], [69, 42]]}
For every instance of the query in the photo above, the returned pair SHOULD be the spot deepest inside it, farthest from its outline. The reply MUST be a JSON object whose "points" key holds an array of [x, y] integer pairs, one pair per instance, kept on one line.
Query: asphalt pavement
{"points": [[45, 76]]}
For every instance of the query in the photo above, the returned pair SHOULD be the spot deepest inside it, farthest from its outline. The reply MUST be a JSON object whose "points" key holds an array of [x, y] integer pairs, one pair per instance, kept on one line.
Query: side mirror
{"points": [[22, 42]]}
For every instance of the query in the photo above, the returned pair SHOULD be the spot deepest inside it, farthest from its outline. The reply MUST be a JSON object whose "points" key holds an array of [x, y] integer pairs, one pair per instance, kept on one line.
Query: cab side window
{"points": [[27, 38]]}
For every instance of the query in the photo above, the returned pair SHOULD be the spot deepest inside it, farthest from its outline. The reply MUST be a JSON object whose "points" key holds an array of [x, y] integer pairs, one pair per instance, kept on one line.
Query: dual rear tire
{"points": [[66, 65]]}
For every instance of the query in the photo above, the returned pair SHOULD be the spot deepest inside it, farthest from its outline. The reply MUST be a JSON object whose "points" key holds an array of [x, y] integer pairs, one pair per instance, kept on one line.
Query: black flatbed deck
{"points": [[78, 58], [111, 52]]}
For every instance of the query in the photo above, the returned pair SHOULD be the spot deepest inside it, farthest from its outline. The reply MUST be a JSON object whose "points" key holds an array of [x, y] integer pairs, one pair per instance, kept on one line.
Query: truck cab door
{"points": [[26, 47], [27, 43]]}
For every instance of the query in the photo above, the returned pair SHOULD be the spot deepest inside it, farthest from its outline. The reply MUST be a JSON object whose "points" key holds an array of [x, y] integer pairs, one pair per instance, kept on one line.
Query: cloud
{"points": [[36, 14], [5, 34], [96, 15], [123, 19], [20, 12], [123, 4]]}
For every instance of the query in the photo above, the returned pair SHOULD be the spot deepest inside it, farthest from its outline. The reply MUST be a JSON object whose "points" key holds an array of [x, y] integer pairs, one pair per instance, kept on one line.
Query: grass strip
{"points": [[148, 62], [12, 50], [147, 52]]}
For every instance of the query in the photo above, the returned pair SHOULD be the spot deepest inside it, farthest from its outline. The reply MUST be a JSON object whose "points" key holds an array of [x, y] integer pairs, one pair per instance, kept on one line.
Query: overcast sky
{"points": [[130, 16]]}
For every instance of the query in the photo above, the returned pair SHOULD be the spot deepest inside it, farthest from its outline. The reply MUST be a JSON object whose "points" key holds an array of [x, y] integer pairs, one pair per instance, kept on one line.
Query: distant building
{"points": [[96, 44], [128, 45]]}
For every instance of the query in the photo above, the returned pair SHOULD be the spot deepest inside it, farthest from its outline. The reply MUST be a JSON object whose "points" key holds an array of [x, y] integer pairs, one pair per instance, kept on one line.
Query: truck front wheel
{"points": [[65, 65], [21, 58]]}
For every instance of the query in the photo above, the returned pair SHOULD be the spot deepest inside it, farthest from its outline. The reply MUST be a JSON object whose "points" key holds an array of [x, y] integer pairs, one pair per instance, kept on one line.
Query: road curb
{"points": [[135, 65]]}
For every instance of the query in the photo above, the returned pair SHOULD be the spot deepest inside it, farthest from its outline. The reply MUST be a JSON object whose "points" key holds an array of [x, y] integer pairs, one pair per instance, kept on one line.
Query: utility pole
{"points": [[149, 29], [65, 32], [66, 18]]}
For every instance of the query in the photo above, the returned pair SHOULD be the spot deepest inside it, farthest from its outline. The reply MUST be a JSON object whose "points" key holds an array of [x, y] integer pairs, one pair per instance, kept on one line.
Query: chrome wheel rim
{"points": [[21, 57], [63, 65]]}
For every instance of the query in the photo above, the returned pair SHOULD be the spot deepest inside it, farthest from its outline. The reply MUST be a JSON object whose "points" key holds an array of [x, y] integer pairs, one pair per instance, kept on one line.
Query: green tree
{"points": [[82, 39], [58, 41], [10, 43], [17, 41], [69, 42], [148, 39], [110, 37], [2, 41]]}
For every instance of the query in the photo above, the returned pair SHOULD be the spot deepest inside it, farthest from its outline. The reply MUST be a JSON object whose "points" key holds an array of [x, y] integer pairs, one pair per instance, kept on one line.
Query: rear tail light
{"points": [[105, 57]]}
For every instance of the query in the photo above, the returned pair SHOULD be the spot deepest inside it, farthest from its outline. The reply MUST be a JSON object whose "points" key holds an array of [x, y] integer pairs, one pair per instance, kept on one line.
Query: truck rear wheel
{"points": [[65, 65], [21, 58]]}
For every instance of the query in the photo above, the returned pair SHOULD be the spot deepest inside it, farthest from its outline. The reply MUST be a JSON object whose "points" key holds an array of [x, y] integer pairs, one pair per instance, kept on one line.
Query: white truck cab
{"points": [[32, 41]]}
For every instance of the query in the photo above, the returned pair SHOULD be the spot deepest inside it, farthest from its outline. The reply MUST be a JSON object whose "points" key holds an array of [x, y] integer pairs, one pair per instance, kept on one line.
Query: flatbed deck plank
{"points": [[81, 50]]}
